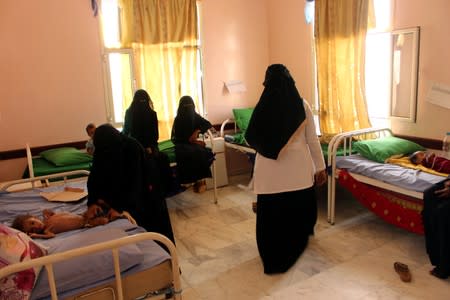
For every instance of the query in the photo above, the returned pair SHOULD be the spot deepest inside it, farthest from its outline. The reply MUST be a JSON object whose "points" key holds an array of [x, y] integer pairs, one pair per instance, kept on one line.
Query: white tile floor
{"points": [[351, 260]]}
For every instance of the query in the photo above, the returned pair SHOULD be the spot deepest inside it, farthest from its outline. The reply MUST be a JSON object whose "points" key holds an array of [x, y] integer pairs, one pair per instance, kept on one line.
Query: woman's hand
{"points": [[320, 177], [444, 192], [93, 211]]}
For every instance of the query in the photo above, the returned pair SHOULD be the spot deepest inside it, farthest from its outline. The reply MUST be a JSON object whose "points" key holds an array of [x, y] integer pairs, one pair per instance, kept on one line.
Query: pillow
{"points": [[381, 149], [242, 117], [15, 247], [81, 271], [65, 156]]}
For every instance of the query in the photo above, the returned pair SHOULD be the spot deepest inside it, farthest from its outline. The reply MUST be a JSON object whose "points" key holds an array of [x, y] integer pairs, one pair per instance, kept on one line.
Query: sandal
{"points": [[403, 271]]}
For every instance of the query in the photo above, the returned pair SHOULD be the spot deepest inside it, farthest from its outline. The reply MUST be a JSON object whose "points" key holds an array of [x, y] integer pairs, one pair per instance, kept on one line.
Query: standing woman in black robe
{"points": [[436, 223], [288, 162], [193, 158], [141, 121], [122, 177]]}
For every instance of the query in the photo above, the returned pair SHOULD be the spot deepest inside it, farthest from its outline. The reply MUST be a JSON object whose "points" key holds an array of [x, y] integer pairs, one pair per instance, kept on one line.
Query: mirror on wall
{"points": [[405, 62]]}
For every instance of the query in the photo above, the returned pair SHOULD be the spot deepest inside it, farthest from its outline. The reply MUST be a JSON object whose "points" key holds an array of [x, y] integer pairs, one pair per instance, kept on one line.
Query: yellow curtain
{"points": [[340, 32], [163, 36]]}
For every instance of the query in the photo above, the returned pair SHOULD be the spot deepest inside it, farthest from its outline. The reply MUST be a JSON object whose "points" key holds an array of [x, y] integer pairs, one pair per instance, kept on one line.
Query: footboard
{"points": [[112, 245], [344, 141]]}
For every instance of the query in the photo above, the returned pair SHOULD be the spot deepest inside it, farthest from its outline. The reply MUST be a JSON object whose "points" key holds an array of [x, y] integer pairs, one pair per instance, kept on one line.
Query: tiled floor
{"points": [[351, 260]]}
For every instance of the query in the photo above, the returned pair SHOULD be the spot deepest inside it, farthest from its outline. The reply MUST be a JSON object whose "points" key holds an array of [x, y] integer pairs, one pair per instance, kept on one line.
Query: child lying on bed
{"points": [[437, 163], [53, 223]]}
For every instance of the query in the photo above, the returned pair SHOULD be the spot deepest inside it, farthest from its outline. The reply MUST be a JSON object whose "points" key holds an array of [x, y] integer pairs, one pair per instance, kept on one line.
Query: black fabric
{"points": [[436, 222], [277, 115], [126, 178], [141, 121], [187, 121], [284, 222], [193, 160]]}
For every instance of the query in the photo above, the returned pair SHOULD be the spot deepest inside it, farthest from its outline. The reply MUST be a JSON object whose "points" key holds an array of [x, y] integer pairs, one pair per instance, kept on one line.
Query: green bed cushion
{"points": [[66, 156], [381, 149], [242, 117], [43, 167], [339, 152], [168, 148]]}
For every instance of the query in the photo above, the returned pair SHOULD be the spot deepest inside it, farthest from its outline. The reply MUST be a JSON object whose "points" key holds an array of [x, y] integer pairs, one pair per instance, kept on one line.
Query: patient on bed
{"points": [[53, 223], [431, 160]]}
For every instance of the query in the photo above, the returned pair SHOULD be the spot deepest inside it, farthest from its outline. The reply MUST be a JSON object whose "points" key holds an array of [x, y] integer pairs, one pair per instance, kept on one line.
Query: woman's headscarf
{"points": [[141, 121], [184, 123], [141, 97], [277, 115], [107, 140]]}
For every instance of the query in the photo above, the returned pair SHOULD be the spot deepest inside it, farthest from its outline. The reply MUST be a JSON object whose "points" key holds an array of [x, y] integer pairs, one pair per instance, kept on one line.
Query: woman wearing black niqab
{"points": [[289, 160], [126, 180], [193, 158], [141, 121]]}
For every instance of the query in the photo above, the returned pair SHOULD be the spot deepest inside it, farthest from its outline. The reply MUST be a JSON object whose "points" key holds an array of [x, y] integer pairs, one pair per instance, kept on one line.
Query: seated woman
{"points": [[431, 160], [193, 158], [123, 177]]}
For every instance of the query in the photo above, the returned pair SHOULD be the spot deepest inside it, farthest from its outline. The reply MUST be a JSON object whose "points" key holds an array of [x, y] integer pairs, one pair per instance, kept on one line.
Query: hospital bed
{"points": [[118, 260], [69, 159], [391, 191]]}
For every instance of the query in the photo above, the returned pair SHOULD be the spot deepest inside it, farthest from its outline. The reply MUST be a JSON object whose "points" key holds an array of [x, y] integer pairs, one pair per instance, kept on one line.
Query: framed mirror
{"points": [[405, 63]]}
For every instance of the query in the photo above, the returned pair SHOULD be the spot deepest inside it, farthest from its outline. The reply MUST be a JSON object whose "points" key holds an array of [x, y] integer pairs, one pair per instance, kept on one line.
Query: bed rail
{"points": [[344, 140], [113, 245], [209, 136], [45, 178]]}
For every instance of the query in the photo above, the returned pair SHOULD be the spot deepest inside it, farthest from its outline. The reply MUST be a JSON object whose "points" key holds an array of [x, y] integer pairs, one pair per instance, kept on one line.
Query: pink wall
{"points": [[290, 42], [52, 83], [434, 62], [51, 79], [235, 48]]}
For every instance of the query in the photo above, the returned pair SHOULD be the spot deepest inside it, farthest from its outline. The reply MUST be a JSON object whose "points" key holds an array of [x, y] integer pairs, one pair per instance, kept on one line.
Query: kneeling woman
{"points": [[193, 158], [124, 178]]}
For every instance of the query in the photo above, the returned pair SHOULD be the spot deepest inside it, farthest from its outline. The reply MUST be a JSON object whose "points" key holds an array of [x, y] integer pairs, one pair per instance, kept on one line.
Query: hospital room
{"points": [[374, 76]]}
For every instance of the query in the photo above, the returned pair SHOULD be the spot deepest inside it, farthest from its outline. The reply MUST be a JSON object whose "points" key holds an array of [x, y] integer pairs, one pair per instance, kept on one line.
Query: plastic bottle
{"points": [[446, 145]]}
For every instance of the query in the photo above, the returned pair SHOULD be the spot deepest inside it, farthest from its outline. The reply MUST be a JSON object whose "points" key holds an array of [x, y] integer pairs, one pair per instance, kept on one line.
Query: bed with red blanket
{"points": [[392, 191]]}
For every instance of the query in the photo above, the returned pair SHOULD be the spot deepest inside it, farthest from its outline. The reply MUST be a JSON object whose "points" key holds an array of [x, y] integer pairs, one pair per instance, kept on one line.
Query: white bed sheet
{"points": [[410, 179], [31, 202]]}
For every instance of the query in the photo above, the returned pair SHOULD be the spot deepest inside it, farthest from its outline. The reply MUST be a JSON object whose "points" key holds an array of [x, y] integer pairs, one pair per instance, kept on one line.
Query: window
{"points": [[378, 65], [126, 70], [118, 65]]}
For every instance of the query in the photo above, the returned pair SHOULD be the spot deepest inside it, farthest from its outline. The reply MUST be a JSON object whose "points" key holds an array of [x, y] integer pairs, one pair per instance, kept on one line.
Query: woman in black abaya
{"points": [[141, 121], [436, 223], [193, 158], [288, 162], [123, 178]]}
